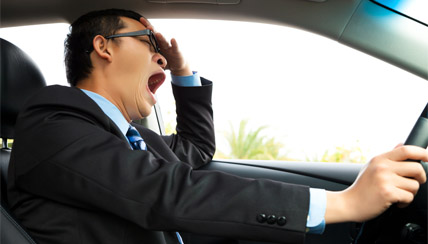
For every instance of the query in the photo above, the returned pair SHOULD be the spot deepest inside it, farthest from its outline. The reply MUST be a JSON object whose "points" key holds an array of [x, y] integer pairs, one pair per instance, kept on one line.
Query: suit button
{"points": [[261, 218], [271, 219], [281, 221]]}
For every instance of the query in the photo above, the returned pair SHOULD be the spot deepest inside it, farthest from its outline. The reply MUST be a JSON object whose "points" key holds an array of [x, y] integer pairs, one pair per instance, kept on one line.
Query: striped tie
{"points": [[135, 139]]}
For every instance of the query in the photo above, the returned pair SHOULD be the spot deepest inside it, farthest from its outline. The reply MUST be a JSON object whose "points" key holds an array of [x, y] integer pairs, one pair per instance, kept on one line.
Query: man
{"points": [[87, 181]]}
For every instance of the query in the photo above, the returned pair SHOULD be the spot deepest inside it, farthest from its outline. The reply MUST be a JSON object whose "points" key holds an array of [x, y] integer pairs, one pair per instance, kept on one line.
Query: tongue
{"points": [[155, 81]]}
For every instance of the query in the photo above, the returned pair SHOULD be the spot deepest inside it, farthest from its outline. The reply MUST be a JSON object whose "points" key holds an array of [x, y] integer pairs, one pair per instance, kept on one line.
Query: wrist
{"points": [[185, 71], [338, 209]]}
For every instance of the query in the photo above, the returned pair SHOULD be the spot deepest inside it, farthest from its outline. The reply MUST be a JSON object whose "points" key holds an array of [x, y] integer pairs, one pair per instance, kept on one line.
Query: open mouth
{"points": [[155, 81]]}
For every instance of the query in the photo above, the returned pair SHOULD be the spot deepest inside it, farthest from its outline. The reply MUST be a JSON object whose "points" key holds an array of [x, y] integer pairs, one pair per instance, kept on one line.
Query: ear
{"points": [[100, 44]]}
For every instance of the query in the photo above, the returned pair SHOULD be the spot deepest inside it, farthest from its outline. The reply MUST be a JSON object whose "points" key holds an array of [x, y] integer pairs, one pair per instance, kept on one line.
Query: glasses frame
{"points": [[145, 32]]}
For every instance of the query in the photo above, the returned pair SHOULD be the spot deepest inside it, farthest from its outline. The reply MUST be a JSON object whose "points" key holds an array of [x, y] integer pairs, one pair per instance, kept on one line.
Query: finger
{"points": [[403, 197], [163, 43], [399, 145], [174, 44], [147, 24], [409, 185], [410, 170], [408, 153]]}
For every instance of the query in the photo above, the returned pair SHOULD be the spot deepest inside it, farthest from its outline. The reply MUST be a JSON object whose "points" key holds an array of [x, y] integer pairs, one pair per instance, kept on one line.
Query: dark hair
{"points": [[78, 44]]}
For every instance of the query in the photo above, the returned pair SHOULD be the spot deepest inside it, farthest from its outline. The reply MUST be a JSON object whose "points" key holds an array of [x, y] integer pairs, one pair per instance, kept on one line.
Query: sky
{"points": [[311, 92]]}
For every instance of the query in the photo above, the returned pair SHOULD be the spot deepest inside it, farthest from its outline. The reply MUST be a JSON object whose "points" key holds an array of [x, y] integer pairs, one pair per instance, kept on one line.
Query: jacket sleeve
{"points": [[194, 142]]}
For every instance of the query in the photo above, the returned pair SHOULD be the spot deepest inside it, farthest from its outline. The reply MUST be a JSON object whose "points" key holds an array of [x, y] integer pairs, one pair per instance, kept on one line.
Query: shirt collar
{"points": [[110, 110]]}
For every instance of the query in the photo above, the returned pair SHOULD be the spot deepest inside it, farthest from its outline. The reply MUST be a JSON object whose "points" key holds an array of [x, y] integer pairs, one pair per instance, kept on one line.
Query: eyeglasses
{"points": [[145, 32]]}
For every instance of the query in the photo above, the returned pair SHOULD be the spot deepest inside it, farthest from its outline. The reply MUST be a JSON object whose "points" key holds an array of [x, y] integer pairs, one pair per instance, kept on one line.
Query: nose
{"points": [[160, 59]]}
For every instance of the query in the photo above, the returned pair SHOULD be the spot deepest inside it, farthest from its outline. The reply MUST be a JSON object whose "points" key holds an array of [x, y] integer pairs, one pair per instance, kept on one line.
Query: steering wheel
{"points": [[403, 225]]}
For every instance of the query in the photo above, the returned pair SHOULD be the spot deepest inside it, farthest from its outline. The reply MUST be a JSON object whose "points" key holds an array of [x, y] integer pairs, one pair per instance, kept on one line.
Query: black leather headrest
{"points": [[20, 78]]}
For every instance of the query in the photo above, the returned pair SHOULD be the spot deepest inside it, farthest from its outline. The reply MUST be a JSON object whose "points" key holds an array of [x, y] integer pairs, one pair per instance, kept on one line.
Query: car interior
{"points": [[365, 25]]}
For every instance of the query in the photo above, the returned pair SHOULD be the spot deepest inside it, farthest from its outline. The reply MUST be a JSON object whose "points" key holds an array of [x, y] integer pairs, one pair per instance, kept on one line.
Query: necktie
{"points": [[137, 143], [135, 139]]}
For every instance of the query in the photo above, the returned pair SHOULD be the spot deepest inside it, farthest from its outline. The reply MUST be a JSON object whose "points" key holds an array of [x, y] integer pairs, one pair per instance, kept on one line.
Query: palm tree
{"points": [[251, 144]]}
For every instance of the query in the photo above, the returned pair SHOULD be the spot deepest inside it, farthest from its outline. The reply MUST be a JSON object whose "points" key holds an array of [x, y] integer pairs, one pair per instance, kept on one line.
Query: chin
{"points": [[145, 113]]}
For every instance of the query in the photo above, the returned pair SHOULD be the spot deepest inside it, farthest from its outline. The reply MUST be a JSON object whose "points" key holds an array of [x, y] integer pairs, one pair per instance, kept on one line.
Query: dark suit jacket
{"points": [[74, 179]]}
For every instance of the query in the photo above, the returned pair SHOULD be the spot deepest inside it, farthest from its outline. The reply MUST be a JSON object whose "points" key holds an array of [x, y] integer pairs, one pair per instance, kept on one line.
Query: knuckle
{"points": [[386, 192], [404, 150], [380, 160], [380, 168]]}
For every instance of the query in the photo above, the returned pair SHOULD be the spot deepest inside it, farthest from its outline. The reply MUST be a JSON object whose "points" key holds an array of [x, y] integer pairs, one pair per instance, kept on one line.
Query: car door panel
{"points": [[329, 176]]}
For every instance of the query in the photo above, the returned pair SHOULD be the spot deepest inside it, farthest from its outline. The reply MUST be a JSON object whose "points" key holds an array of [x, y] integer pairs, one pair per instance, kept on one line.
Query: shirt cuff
{"points": [[317, 205], [191, 80]]}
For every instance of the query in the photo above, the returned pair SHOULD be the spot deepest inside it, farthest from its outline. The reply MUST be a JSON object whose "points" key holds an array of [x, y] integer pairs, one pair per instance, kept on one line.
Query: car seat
{"points": [[20, 78]]}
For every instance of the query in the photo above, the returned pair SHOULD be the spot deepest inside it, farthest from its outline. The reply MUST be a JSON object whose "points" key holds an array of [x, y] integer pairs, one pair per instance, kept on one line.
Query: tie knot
{"points": [[135, 139]]}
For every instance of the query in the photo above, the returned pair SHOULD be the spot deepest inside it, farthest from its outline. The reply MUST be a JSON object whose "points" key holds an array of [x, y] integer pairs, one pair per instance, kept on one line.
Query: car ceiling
{"points": [[360, 24]]}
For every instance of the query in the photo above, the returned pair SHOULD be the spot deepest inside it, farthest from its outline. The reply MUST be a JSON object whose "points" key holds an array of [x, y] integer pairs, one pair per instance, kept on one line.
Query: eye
{"points": [[147, 42], [143, 40]]}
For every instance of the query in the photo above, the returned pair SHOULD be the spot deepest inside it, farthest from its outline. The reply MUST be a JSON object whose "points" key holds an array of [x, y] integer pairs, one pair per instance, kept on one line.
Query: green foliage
{"points": [[251, 144], [343, 154]]}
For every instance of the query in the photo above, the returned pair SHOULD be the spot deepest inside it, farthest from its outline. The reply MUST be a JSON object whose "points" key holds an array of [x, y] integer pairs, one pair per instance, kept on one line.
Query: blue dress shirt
{"points": [[318, 198]]}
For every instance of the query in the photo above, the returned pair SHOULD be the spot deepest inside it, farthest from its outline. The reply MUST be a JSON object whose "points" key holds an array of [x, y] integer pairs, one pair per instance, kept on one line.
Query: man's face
{"points": [[138, 70]]}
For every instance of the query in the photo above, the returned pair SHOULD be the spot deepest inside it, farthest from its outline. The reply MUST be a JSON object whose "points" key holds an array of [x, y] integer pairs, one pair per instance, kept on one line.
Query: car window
{"points": [[45, 45], [413, 9], [280, 93]]}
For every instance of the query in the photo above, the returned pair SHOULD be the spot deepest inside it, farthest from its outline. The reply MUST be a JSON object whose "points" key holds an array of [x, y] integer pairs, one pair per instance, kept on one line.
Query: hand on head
{"points": [[176, 62]]}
